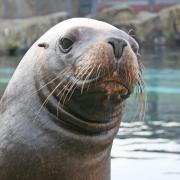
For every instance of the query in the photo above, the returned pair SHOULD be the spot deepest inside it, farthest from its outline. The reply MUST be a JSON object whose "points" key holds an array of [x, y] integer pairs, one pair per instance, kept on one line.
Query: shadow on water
{"points": [[149, 149]]}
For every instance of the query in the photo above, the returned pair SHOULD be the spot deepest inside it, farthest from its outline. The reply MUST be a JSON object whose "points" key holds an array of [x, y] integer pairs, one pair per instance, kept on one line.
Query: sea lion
{"points": [[63, 105]]}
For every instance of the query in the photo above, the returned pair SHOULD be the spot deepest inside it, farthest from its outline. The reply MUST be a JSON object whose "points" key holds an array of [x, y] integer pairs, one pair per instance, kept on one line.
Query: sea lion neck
{"points": [[61, 114]]}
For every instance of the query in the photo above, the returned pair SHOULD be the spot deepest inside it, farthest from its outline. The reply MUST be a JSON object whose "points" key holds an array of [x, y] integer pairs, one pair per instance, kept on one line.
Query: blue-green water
{"points": [[7, 67], [149, 149]]}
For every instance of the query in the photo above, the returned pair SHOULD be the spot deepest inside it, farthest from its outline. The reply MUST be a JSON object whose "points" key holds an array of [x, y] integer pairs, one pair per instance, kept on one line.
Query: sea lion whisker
{"points": [[142, 108], [98, 72], [68, 91], [125, 76], [60, 98], [139, 93], [141, 65], [62, 94], [89, 75], [86, 69], [85, 78], [64, 88], [129, 78], [61, 82], [137, 101], [141, 79], [108, 71], [122, 72], [78, 75], [57, 112], [46, 100], [45, 85], [139, 108], [103, 72], [58, 76], [73, 89], [142, 99], [82, 72], [139, 55]]}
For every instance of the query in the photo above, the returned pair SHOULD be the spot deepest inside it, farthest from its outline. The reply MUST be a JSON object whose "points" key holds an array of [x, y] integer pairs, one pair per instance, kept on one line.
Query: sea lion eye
{"points": [[65, 44]]}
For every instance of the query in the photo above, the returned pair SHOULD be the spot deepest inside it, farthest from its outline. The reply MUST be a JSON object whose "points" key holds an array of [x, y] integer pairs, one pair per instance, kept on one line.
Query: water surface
{"points": [[150, 149]]}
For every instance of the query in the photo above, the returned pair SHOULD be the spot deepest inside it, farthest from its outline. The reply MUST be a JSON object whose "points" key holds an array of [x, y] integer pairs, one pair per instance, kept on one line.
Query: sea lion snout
{"points": [[118, 46]]}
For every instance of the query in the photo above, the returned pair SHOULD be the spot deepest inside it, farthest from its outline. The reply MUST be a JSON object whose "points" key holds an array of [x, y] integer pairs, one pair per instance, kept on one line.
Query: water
{"points": [[7, 67], [149, 149]]}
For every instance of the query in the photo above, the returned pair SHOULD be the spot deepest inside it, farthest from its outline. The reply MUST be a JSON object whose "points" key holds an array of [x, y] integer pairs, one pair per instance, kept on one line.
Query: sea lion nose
{"points": [[118, 46]]}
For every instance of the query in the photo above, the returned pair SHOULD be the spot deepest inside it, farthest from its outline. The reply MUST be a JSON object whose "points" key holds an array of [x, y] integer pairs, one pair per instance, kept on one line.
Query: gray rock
{"points": [[170, 21], [158, 28], [20, 34], [13, 9], [125, 18]]}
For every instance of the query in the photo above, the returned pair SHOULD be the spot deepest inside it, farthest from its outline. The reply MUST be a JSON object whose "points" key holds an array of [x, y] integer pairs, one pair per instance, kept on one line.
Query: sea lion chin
{"points": [[63, 105]]}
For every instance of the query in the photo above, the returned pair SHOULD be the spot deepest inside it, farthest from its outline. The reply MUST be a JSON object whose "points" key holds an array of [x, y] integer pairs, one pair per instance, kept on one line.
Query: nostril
{"points": [[118, 46], [113, 45]]}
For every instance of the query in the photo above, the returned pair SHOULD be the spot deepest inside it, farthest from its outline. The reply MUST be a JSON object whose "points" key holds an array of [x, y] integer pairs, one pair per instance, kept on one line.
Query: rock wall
{"points": [[170, 21], [126, 19], [13, 9], [158, 28], [18, 35]]}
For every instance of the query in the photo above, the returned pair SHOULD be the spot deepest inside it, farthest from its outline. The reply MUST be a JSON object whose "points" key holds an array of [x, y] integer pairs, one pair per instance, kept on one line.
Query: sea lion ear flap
{"points": [[44, 45], [132, 32]]}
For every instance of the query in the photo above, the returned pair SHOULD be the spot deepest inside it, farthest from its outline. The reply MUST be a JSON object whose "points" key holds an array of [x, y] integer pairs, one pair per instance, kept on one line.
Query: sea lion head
{"points": [[90, 68]]}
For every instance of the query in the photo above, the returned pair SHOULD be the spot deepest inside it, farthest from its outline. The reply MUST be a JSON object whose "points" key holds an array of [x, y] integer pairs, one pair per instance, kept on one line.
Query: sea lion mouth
{"points": [[115, 90], [112, 85]]}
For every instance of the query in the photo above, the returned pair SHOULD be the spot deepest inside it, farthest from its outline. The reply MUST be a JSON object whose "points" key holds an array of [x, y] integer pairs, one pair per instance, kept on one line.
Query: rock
{"points": [[146, 24], [170, 20], [15, 9], [158, 28], [113, 15], [126, 19], [18, 35]]}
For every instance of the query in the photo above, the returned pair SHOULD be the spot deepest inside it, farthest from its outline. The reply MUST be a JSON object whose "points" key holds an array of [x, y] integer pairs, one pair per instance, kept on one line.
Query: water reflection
{"points": [[7, 67], [148, 150]]}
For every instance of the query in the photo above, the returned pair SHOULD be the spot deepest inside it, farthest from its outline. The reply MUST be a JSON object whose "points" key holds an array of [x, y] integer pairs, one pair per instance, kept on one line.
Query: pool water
{"points": [[146, 149], [150, 149]]}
